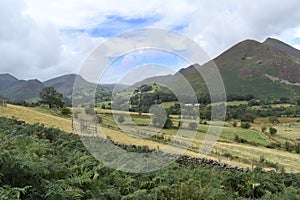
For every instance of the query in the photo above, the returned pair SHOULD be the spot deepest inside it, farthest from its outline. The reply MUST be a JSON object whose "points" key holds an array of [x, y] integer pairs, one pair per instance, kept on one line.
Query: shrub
{"points": [[245, 125], [273, 120], [168, 123], [263, 129], [65, 111], [288, 146], [179, 124], [297, 148], [234, 124], [239, 139], [272, 130]]}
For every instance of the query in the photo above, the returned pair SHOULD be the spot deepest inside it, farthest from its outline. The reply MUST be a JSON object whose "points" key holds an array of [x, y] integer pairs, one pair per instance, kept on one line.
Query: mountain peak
{"points": [[291, 51], [7, 77]]}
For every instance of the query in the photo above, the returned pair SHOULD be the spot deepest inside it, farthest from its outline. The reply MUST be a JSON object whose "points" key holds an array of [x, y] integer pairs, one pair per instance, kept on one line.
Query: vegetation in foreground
{"points": [[45, 163]]}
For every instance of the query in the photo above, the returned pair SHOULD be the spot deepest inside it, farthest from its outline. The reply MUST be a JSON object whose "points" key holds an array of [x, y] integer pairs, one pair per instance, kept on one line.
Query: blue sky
{"points": [[161, 61], [113, 25], [50, 38]]}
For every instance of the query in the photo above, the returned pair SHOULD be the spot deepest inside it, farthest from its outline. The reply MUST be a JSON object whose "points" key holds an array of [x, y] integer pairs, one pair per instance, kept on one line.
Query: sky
{"points": [[49, 38]]}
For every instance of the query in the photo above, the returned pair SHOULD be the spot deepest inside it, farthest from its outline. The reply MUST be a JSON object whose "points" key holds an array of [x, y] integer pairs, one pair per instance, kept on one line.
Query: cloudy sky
{"points": [[44, 39]]}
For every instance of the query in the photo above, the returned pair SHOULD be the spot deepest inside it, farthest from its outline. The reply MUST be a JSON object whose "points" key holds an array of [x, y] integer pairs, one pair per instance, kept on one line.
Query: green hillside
{"points": [[19, 90], [246, 68], [64, 84]]}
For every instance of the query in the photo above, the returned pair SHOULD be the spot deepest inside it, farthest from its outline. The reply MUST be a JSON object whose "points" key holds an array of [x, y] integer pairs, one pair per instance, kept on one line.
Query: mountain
{"points": [[6, 80], [283, 47], [249, 67], [271, 68], [19, 90], [113, 86], [64, 84]]}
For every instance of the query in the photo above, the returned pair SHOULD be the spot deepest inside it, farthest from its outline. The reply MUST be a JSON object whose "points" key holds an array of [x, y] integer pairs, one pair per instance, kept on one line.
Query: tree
{"points": [[273, 120], [248, 117], [51, 97], [272, 130], [65, 111], [160, 118], [245, 125], [263, 129], [168, 124], [179, 124]]}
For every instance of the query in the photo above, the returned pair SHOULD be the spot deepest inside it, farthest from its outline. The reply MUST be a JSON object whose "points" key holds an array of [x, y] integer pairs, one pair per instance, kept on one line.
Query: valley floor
{"points": [[225, 150]]}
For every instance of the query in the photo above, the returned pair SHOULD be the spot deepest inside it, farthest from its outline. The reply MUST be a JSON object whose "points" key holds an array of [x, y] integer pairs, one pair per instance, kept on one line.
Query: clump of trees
{"points": [[50, 96]]}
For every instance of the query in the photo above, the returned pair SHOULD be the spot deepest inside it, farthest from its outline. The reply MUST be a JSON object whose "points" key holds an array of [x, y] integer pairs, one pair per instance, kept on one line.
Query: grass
{"points": [[237, 103], [36, 115], [168, 104], [243, 153], [288, 129], [285, 105], [249, 135]]}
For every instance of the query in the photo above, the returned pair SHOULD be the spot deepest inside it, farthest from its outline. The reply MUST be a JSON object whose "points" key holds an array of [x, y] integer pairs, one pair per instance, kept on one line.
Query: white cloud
{"points": [[33, 43], [25, 45]]}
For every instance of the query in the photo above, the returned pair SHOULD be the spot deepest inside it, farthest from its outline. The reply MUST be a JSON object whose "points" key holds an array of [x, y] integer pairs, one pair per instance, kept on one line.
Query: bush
{"points": [[272, 130], [239, 139], [274, 120], [297, 148], [245, 125], [65, 111], [168, 123], [234, 124]]}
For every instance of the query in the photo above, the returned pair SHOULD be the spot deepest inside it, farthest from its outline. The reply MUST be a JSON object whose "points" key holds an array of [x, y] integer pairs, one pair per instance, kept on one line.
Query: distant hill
{"points": [[271, 68], [19, 90], [249, 67], [112, 86], [14, 89], [6, 80], [64, 84]]}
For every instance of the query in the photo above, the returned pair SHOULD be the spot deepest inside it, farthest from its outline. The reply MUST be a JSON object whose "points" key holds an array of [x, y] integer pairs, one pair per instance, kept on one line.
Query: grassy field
{"points": [[288, 130], [240, 154], [236, 103], [36, 115], [168, 104]]}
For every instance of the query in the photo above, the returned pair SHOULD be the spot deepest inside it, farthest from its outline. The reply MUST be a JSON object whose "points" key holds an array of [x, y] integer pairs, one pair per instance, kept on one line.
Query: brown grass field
{"points": [[242, 154]]}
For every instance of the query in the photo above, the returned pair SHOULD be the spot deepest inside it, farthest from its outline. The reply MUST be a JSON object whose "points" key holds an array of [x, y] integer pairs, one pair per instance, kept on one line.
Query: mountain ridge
{"points": [[244, 68]]}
